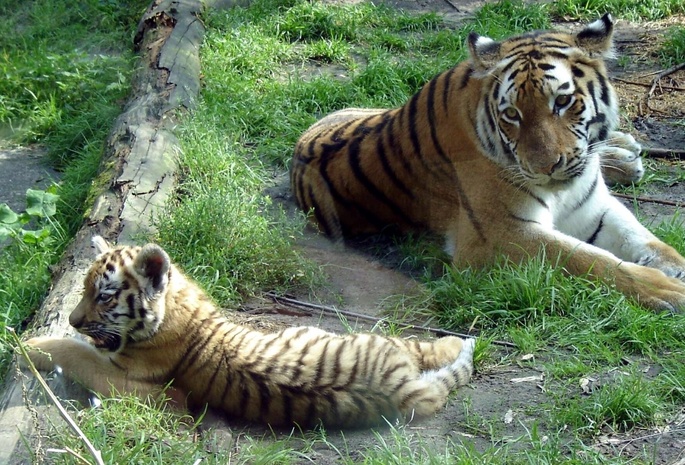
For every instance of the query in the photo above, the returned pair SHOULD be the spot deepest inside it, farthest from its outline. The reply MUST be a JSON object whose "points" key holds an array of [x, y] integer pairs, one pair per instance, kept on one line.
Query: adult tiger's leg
{"points": [[649, 286], [624, 236]]}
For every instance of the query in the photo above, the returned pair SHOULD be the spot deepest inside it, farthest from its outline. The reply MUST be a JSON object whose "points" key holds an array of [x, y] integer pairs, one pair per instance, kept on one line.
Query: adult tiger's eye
{"points": [[511, 113], [562, 100]]}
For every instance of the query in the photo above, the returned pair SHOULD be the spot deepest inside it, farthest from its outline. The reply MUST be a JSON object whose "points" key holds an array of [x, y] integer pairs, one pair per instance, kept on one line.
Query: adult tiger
{"points": [[502, 154], [150, 326]]}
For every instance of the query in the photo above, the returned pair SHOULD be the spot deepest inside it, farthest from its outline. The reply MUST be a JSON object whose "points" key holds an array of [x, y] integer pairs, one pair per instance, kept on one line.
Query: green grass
{"points": [[64, 66], [507, 17], [673, 50], [623, 404], [631, 10], [578, 329], [126, 430], [222, 227]]}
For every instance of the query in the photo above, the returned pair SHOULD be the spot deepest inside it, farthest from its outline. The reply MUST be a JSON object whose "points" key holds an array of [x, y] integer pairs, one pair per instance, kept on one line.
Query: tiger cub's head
{"points": [[547, 99], [123, 297]]}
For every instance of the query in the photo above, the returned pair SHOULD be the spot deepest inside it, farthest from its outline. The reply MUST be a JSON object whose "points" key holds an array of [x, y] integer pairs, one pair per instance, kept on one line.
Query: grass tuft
{"points": [[631, 10], [672, 52], [128, 430], [624, 403], [504, 18]]}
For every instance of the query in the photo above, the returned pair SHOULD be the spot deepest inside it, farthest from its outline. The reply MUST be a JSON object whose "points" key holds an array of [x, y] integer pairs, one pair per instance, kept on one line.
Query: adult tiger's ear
{"points": [[153, 264], [485, 52], [597, 37], [100, 244]]}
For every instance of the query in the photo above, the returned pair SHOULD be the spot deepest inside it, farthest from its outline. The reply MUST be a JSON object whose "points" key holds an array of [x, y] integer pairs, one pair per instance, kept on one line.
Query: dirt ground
{"points": [[493, 411]]}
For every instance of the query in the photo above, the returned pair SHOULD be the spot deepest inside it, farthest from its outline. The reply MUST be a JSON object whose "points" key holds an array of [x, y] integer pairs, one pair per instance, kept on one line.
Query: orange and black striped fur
{"points": [[148, 325], [508, 152]]}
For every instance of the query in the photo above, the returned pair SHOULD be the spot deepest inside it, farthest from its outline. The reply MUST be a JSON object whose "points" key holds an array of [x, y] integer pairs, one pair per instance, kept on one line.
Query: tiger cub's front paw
{"points": [[40, 351], [620, 159]]}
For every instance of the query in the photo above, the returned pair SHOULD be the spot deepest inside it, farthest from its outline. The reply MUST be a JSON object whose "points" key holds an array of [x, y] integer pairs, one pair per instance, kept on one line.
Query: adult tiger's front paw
{"points": [[620, 159], [654, 290]]}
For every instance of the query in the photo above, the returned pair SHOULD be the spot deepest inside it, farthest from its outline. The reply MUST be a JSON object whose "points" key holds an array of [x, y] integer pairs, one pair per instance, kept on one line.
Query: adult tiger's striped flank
{"points": [[506, 153], [150, 326]]}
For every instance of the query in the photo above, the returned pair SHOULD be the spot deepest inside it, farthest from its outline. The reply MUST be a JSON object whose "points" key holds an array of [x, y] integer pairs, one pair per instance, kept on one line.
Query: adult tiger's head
{"points": [[547, 100], [122, 300]]}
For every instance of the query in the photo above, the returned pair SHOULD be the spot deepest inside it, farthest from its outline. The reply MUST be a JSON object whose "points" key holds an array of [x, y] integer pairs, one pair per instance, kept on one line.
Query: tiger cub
{"points": [[502, 154], [149, 325]]}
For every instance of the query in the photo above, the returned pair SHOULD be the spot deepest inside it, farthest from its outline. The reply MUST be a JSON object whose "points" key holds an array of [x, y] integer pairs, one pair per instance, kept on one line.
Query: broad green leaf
{"points": [[5, 232], [41, 203], [7, 216], [35, 237]]}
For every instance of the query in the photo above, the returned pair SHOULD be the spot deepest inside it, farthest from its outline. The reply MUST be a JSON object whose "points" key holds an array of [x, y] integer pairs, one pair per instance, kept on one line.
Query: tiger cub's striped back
{"points": [[149, 325]]}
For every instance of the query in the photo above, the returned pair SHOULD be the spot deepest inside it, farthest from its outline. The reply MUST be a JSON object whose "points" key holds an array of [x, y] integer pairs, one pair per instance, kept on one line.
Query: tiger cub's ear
{"points": [[596, 38], [153, 263], [485, 52], [100, 244]]}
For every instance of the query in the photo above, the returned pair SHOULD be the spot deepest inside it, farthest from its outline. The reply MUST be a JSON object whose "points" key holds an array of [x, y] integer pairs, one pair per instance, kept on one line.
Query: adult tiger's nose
{"points": [[551, 168]]}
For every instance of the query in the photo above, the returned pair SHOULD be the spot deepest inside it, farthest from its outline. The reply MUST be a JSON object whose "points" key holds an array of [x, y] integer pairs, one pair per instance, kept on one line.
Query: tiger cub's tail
{"points": [[429, 393]]}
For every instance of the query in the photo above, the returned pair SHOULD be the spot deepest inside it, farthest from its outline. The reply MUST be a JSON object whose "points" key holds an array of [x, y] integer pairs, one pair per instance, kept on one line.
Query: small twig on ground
{"points": [[361, 316], [53, 398], [648, 85], [452, 4], [658, 152], [663, 74], [628, 441], [679, 462], [657, 82], [649, 200]]}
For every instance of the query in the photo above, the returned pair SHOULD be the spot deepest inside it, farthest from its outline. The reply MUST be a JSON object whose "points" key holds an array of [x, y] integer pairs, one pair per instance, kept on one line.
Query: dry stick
{"points": [[656, 82], [361, 316], [658, 152], [644, 84], [679, 462], [649, 200], [53, 398], [663, 74], [452, 4]]}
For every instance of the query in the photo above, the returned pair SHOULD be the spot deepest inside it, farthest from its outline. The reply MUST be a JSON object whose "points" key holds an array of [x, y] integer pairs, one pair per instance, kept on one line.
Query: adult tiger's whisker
{"points": [[335, 311]]}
